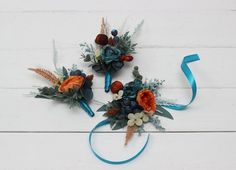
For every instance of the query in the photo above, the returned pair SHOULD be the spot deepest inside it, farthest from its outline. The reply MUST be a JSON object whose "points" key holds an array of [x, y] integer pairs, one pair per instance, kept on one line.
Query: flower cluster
{"points": [[73, 87], [110, 51], [134, 104]]}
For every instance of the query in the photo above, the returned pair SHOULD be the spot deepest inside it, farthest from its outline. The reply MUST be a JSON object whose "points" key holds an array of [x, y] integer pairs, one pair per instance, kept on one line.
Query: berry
{"points": [[126, 102], [114, 32], [133, 104]]}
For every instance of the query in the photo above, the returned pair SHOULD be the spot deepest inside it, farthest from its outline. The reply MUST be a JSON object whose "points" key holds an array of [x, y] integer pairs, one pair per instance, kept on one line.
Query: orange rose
{"points": [[146, 99], [70, 83]]}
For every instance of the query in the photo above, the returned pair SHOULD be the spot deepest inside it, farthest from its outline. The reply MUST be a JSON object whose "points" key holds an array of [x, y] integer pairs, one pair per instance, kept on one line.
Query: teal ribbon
{"points": [[192, 83], [108, 80], [106, 122], [85, 106], [191, 80]]}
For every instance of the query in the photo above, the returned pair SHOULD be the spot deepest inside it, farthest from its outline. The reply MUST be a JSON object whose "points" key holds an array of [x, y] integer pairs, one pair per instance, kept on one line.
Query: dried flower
{"points": [[127, 58], [137, 119], [101, 39], [111, 41], [146, 99], [129, 133], [118, 96], [70, 83], [116, 86], [112, 111], [47, 75], [97, 53]]}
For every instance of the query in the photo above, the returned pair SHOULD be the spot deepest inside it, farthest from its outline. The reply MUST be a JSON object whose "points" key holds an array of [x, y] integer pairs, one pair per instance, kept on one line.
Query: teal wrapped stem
{"points": [[84, 105], [108, 79]]}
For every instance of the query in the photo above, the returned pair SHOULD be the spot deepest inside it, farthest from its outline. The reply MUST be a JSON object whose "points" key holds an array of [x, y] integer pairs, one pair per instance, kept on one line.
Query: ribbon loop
{"points": [[191, 80], [103, 123]]}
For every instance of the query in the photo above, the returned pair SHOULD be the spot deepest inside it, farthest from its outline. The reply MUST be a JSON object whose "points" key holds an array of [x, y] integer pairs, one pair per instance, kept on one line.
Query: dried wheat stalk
{"points": [[129, 133], [103, 27], [47, 75]]}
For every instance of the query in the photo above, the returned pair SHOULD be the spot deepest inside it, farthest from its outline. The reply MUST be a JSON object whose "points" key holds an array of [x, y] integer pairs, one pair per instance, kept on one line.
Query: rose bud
{"points": [[101, 39], [146, 99]]}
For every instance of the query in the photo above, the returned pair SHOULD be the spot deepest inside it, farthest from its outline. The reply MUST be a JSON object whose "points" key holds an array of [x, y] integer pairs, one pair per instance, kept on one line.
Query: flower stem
{"points": [[108, 80], [84, 105]]}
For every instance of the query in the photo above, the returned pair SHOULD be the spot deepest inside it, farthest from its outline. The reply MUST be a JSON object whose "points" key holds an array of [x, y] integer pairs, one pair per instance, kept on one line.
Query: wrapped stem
{"points": [[108, 79], [84, 105]]}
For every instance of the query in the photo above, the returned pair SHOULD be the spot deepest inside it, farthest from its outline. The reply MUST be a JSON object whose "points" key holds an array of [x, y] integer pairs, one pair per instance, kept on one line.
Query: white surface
{"points": [[40, 134]]}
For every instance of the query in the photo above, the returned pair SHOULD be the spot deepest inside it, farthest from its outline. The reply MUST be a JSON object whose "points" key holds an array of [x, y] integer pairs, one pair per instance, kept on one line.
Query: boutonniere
{"points": [[110, 51], [134, 104], [137, 103], [70, 86]]}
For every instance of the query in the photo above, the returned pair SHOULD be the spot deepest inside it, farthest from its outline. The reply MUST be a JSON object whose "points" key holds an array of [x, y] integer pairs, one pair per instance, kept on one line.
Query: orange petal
{"points": [[146, 99], [70, 83]]}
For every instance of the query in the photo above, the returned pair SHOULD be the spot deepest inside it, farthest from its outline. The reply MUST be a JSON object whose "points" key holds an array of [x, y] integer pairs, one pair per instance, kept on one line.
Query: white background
{"points": [[41, 134]]}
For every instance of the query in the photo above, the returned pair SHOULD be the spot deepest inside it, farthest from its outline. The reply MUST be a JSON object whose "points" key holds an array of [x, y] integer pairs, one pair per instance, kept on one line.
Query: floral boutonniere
{"points": [[135, 104], [72, 87], [110, 51]]}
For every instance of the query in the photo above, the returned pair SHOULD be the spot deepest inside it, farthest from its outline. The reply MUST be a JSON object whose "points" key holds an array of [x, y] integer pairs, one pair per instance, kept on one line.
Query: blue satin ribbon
{"points": [[84, 105], [106, 122], [107, 81], [191, 80]]}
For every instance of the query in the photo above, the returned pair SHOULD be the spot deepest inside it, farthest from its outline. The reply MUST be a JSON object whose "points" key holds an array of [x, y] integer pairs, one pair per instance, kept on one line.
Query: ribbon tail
{"points": [[191, 80], [84, 105], [108, 80], [106, 122]]}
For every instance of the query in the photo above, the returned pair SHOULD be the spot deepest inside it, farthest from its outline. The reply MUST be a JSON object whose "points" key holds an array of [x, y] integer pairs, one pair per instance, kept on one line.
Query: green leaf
{"points": [[118, 124], [103, 108], [112, 122], [163, 112], [65, 73]]}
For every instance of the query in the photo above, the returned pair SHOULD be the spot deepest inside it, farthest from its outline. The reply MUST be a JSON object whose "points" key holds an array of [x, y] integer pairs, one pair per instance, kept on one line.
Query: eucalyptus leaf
{"points": [[119, 124], [112, 122], [103, 108], [163, 112]]}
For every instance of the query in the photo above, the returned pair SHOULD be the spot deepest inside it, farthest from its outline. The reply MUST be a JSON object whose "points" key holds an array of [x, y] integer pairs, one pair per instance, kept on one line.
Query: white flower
{"points": [[137, 119], [118, 96]]}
